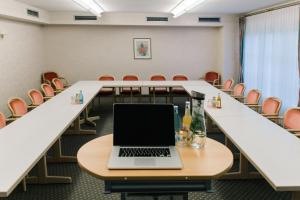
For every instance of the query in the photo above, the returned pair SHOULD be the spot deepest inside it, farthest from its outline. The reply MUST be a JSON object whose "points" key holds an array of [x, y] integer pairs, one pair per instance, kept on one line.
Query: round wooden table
{"points": [[199, 165]]}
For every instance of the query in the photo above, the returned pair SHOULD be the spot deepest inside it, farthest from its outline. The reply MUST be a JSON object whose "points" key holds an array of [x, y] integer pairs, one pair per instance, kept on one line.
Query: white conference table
{"points": [[25, 141], [271, 149]]}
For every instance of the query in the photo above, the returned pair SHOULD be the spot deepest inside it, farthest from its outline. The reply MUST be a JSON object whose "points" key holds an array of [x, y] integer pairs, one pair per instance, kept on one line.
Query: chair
{"points": [[212, 77], [47, 77], [238, 91], [252, 99], [130, 91], [18, 107], [158, 91], [270, 108], [178, 91], [36, 97], [107, 91], [58, 85], [291, 121], [2, 120], [227, 85], [48, 91]]}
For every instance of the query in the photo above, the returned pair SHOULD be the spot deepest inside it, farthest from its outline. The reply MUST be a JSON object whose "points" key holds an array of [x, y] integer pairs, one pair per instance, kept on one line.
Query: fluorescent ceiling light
{"points": [[185, 6], [91, 5]]}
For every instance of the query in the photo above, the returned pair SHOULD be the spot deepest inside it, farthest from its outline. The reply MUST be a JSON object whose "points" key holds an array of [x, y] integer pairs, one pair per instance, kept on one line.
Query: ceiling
{"points": [[160, 6]]}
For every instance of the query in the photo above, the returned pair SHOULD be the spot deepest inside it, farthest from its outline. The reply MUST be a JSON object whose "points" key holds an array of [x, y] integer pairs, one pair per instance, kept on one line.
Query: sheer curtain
{"points": [[271, 55]]}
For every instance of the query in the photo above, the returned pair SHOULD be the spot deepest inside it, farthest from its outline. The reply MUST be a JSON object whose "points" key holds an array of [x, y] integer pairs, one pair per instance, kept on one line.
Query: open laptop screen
{"points": [[143, 125]]}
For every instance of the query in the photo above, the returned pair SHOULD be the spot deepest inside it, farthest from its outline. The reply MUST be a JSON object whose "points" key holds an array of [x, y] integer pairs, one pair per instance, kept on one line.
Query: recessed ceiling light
{"points": [[185, 6], [91, 5]]}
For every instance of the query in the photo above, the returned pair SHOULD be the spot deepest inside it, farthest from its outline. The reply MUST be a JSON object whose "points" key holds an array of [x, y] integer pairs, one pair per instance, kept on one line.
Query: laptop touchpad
{"points": [[144, 162]]}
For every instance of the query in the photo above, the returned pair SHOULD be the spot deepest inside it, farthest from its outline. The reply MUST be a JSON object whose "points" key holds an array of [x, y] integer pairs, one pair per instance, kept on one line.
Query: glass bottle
{"points": [[177, 126], [219, 102], [186, 123], [198, 127], [80, 97]]}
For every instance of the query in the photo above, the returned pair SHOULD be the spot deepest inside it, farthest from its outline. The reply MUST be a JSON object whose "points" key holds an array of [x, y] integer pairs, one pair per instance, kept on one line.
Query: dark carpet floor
{"points": [[86, 187]]}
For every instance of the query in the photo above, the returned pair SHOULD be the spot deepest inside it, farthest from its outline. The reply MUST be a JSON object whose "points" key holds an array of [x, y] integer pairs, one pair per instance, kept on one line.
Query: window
{"points": [[271, 55]]}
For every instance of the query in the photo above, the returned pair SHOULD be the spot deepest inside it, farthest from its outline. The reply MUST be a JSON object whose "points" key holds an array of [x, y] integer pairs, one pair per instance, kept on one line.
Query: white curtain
{"points": [[271, 55]]}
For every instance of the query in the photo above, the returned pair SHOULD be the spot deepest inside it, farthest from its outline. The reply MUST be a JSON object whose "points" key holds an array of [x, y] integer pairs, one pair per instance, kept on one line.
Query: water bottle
{"points": [[80, 97], [177, 124]]}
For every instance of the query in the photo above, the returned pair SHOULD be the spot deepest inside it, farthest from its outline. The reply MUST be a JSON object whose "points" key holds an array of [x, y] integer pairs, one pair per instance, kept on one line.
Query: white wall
{"points": [[21, 59], [17, 10], [84, 52]]}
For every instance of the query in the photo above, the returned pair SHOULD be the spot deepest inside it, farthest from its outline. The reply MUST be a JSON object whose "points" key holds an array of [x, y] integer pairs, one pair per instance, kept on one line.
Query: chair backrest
{"points": [[47, 77], [228, 84], [212, 76], [106, 78], [180, 78], [2, 120], [47, 90], [130, 78], [239, 89], [253, 97], [36, 97], [291, 118], [17, 107], [158, 78], [271, 106], [58, 84]]}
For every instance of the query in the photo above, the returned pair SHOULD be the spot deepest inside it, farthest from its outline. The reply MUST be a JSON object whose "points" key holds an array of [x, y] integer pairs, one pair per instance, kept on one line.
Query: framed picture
{"points": [[142, 48]]}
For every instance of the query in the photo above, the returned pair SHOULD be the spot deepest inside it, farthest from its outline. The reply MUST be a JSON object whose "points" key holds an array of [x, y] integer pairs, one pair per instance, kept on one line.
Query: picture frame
{"points": [[142, 48]]}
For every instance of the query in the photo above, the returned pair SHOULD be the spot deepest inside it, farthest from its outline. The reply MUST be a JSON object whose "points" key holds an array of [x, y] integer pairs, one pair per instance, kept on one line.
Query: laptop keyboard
{"points": [[144, 152]]}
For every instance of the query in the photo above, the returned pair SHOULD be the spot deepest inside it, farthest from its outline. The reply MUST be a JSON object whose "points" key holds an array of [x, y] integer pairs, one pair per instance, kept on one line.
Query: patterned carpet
{"points": [[86, 187]]}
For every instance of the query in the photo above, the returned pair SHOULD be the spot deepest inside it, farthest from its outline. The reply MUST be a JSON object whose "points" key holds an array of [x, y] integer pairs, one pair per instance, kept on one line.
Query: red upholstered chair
{"points": [[271, 107], [238, 91], [47, 77], [291, 121], [158, 91], [48, 91], [58, 85], [227, 87], [252, 99], [212, 77], [178, 91], [17, 107], [36, 97], [130, 90], [107, 91], [2, 120]]}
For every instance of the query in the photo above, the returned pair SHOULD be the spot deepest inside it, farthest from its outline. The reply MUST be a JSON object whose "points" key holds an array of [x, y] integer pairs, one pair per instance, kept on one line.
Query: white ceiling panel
{"points": [[209, 6]]}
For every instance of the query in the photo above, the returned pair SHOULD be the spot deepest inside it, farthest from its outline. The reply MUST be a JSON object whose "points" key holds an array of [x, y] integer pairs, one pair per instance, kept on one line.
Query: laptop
{"points": [[144, 137]]}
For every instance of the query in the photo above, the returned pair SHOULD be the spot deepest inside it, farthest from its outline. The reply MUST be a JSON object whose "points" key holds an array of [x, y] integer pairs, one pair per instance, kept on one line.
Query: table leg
{"points": [[24, 185], [57, 155], [43, 178], [78, 131], [296, 195], [87, 119], [243, 172]]}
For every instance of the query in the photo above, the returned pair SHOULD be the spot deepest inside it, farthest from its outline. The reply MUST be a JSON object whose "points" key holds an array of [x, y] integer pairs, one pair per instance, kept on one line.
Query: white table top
{"points": [[25, 141], [273, 151]]}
